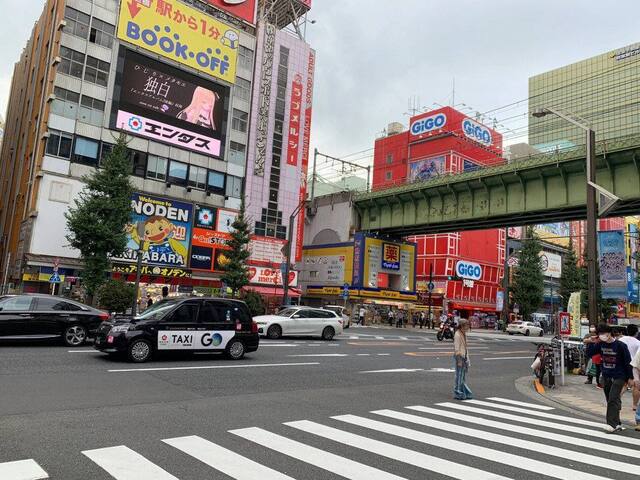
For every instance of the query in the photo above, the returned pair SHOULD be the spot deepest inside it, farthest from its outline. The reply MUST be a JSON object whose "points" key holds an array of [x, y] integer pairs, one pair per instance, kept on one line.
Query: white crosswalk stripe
{"points": [[122, 463], [22, 470], [520, 404]]}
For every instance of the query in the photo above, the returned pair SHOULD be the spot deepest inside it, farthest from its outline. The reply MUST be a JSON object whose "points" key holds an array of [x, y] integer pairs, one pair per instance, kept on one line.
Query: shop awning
{"points": [[477, 306], [273, 291]]}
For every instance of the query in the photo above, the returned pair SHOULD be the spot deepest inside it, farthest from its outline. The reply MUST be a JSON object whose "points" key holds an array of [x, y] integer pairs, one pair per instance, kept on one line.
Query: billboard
{"points": [[211, 233], [332, 264], [271, 276], [180, 33], [613, 268], [371, 264], [242, 9], [551, 264], [427, 168], [161, 228], [556, 233], [162, 103]]}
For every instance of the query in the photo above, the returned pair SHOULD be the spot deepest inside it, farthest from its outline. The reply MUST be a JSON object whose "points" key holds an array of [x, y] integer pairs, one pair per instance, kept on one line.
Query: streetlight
{"points": [[592, 214]]}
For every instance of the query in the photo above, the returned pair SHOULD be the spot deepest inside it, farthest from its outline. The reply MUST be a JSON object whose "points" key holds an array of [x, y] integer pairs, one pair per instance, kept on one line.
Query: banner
{"points": [[613, 268], [551, 264], [573, 308], [243, 9], [182, 34], [157, 101], [161, 229], [294, 120], [422, 170], [271, 276]]}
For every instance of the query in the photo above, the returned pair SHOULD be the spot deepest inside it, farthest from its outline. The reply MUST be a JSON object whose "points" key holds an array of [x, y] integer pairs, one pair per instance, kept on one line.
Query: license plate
{"points": [[110, 339]]}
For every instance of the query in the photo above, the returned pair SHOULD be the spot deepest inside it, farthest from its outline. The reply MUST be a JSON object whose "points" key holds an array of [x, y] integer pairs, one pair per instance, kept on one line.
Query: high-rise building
{"points": [[181, 80]]}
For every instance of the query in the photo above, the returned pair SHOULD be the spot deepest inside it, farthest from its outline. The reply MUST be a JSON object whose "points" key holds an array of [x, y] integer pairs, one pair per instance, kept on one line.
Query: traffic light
{"points": [[453, 278]]}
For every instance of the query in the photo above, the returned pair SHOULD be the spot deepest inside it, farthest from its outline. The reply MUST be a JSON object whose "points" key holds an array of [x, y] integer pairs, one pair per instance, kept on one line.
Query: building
{"points": [[182, 81], [465, 268], [603, 90]]}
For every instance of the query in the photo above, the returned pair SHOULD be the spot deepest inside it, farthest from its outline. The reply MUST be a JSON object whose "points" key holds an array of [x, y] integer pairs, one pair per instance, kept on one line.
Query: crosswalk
{"points": [[490, 439], [431, 338]]}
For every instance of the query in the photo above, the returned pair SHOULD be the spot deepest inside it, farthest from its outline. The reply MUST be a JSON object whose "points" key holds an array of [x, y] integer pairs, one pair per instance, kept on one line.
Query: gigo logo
{"points": [[476, 132], [428, 124], [469, 270]]}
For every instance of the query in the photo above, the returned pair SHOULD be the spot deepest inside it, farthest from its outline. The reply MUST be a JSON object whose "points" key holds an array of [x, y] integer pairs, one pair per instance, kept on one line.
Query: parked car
{"points": [[525, 328], [182, 324], [300, 321], [340, 310], [39, 317]]}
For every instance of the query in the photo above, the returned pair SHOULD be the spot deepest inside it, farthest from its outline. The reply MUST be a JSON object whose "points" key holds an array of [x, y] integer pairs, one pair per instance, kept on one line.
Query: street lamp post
{"points": [[134, 307], [285, 280]]}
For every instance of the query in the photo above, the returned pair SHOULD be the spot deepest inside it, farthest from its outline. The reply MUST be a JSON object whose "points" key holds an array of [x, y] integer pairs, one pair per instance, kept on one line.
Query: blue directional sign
{"points": [[55, 278], [345, 291], [431, 286]]}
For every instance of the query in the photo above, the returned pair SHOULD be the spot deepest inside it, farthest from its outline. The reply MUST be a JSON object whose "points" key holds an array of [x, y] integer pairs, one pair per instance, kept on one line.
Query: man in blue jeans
{"points": [[617, 372]]}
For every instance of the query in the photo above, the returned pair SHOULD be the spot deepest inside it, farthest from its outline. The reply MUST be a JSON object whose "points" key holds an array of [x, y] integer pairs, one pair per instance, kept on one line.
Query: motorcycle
{"points": [[445, 331]]}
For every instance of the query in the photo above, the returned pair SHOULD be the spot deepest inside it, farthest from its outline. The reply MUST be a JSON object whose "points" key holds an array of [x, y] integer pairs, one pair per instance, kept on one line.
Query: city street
{"points": [[77, 414]]}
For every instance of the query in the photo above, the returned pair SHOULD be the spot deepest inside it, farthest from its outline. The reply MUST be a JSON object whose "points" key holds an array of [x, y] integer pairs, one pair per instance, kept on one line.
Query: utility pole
{"points": [[287, 266], [592, 228]]}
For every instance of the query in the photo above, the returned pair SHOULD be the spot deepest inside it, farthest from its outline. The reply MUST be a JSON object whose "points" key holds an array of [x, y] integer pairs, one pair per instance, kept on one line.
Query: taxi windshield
{"points": [[157, 310]]}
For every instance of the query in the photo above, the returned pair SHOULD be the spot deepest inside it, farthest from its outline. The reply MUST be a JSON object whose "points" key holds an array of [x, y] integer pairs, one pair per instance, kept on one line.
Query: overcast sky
{"points": [[372, 55]]}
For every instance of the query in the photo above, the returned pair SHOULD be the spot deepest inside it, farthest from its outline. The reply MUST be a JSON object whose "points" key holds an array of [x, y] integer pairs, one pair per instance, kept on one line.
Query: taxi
{"points": [[182, 324]]}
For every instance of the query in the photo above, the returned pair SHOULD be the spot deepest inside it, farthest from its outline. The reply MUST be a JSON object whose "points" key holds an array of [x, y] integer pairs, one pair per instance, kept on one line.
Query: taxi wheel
{"points": [[527, 333], [235, 350], [74, 335], [328, 333], [274, 332], [139, 351]]}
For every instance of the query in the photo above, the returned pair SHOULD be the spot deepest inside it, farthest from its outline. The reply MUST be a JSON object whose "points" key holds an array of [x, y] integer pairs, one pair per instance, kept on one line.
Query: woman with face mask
{"points": [[461, 390], [617, 372]]}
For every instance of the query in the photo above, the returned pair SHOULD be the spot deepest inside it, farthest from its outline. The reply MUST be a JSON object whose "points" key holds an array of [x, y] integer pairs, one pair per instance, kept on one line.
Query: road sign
{"points": [[513, 261], [55, 278], [565, 323], [345, 291], [430, 286]]}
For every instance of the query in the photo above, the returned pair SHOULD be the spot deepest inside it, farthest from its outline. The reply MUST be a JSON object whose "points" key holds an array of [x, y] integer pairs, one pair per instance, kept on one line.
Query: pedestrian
{"points": [[635, 363], [165, 292], [390, 317], [149, 300], [595, 362], [399, 318], [461, 390], [617, 372], [431, 321], [422, 319], [414, 319], [361, 314], [633, 344]]}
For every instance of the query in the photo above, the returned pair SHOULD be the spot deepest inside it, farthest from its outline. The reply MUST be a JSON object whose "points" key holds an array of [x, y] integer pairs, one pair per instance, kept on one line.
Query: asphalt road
{"points": [[77, 414]]}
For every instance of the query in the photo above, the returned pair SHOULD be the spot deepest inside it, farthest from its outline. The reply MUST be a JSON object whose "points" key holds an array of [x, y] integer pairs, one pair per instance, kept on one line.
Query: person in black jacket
{"points": [[617, 372]]}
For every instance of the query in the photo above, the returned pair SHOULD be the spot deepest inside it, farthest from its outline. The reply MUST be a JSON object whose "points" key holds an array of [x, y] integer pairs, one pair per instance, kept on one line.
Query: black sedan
{"points": [[39, 317]]}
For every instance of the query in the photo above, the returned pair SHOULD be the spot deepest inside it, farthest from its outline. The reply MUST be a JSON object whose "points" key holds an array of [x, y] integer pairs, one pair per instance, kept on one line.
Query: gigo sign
{"points": [[427, 124], [477, 132], [469, 270]]}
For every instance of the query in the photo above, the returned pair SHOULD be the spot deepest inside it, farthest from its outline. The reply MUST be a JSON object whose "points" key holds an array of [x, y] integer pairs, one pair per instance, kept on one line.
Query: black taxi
{"points": [[182, 324]]}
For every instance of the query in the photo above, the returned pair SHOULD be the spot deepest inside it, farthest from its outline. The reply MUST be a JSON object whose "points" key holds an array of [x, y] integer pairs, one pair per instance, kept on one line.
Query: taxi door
{"points": [[217, 319], [179, 331]]}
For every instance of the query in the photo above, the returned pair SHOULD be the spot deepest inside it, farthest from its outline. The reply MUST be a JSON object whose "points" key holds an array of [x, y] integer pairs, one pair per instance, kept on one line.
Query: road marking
{"points": [[205, 367], [279, 344], [520, 404], [451, 350], [510, 427], [395, 370], [507, 358], [411, 457], [83, 351], [224, 460], [363, 354], [517, 461], [383, 354], [328, 461], [511, 352], [321, 355], [563, 453], [22, 470], [122, 463]]}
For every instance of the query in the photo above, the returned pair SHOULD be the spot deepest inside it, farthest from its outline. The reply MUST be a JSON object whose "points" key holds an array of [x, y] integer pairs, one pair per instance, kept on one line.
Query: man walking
{"points": [[617, 372], [461, 390], [361, 314]]}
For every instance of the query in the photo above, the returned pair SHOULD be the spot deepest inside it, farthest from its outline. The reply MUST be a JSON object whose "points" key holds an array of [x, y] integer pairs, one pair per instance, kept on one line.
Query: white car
{"points": [[300, 321], [346, 321], [524, 328]]}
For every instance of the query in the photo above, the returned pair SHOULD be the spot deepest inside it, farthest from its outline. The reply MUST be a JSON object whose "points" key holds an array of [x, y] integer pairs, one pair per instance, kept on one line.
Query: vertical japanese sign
{"points": [[613, 269], [264, 99], [573, 308], [306, 138], [181, 33], [294, 120]]}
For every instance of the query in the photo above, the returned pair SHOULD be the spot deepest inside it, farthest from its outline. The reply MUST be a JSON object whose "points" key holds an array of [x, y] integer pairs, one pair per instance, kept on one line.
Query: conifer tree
{"points": [[236, 274], [528, 285]]}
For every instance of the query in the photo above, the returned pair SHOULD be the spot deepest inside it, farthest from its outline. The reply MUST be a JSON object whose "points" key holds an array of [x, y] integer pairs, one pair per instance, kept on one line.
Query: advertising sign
{"points": [[551, 264], [208, 244], [469, 270], [180, 33], [427, 124], [170, 272], [557, 233], [225, 220], [162, 103], [391, 256], [266, 250], [514, 232], [194, 340], [422, 170], [294, 120], [161, 229], [499, 301], [573, 308], [613, 268], [243, 9], [565, 323], [271, 276], [402, 278], [205, 217], [477, 132]]}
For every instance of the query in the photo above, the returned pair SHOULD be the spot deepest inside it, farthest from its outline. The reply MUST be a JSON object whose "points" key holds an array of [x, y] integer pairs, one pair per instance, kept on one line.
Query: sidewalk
{"points": [[587, 398]]}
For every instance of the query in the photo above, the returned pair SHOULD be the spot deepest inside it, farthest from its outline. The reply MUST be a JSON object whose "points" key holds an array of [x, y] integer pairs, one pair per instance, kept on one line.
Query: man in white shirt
{"points": [[633, 344]]}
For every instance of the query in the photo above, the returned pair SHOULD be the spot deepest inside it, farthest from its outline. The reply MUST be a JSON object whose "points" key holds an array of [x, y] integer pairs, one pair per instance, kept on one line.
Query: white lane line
{"points": [[224, 460], [403, 338], [510, 427], [328, 461], [279, 345], [520, 404], [542, 423], [83, 351], [22, 470], [394, 370], [507, 358], [206, 367], [321, 355], [363, 354], [589, 459], [535, 413], [450, 349], [384, 354], [122, 463], [411, 457], [377, 337]]}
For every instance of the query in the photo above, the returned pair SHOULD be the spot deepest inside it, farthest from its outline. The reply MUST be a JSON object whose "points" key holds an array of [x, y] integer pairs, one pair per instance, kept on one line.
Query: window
{"points": [[77, 22], [389, 158], [96, 71], [71, 62], [214, 313], [185, 313], [101, 33], [237, 153], [245, 58], [234, 186], [215, 182], [178, 172], [85, 150], [138, 162], [46, 303], [16, 304], [388, 176], [242, 89], [59, 144], [197, 177], [239, 120], [66, 102], [105, 149], [157, 168], [91, 111]]}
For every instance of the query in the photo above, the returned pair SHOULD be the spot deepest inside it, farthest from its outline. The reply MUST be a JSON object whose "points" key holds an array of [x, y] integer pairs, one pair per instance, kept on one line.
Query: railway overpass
{"points": [[543, 188]]}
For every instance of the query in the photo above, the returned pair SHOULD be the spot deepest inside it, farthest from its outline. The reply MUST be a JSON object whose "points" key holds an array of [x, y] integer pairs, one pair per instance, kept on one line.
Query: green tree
{"points": [[528, 284], [116, 295], [236, 273], [255, 303], [571, 279], [96, 222]]}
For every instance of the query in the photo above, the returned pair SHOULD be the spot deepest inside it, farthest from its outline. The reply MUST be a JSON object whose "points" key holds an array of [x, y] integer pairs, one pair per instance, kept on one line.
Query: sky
{"points": [[374, 55]]}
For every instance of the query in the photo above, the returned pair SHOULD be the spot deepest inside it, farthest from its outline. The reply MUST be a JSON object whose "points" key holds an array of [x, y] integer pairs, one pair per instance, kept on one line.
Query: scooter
{"points": [[445, 331]]}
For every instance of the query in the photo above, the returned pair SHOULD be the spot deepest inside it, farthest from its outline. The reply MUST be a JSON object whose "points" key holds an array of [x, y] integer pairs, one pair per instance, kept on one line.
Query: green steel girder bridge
{"points": [[543, 188]]}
